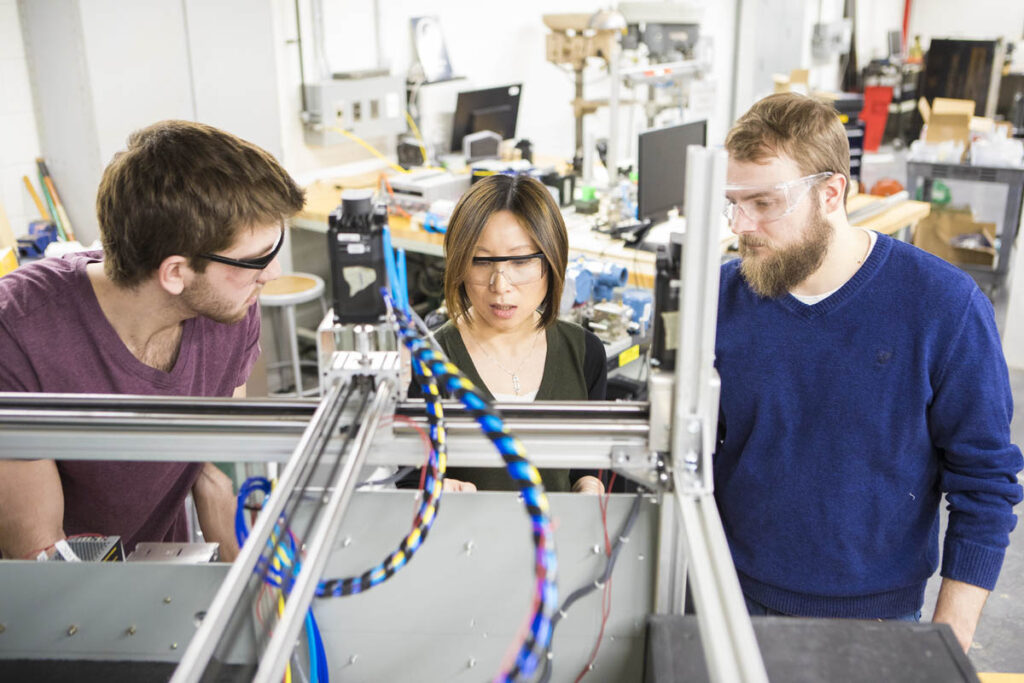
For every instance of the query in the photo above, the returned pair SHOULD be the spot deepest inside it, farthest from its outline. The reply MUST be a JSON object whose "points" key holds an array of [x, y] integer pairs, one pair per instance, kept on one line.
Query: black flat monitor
{"points": [[661, 168], [494, 109]]}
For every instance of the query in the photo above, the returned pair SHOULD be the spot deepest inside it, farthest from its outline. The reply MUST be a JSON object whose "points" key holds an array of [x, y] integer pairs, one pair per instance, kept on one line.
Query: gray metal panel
{"points": [[453, 613], [40, 602], [462, 599]]}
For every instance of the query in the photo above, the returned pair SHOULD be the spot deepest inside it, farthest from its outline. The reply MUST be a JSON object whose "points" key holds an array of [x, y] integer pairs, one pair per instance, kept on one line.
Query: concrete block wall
{"points": [[19, 139]]}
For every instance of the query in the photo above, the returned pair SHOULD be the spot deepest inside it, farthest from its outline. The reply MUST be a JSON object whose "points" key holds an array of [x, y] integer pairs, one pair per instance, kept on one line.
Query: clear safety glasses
{"points": [[766, 203], [517, 270]]}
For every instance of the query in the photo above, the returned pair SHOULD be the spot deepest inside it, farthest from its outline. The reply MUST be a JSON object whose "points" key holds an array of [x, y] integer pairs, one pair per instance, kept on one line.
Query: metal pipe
{"points": [[18, 405], [277, 653], [578, 110], [732, 605], [98, 420], [730, 647], [201, 648], [302, 68], [187, 404]]}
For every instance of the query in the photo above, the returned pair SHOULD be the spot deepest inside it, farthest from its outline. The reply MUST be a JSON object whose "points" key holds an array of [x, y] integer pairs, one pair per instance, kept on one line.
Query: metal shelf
{"points": [[1013, 178]]}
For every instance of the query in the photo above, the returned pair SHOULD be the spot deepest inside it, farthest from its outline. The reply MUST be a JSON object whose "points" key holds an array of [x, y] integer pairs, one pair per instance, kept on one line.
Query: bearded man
{"points": [[862, 378], [192, 219]]}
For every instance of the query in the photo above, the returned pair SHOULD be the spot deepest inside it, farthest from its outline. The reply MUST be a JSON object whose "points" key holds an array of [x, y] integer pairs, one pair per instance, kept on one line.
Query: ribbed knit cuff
{"points": [[887, 605], [971, 563]]}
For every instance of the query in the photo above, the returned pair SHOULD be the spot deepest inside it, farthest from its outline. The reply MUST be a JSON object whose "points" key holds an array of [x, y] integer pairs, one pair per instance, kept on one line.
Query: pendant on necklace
{"points": [[515, 384]]}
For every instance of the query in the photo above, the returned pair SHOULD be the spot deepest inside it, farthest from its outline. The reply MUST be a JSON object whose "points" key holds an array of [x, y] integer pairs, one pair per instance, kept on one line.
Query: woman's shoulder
{"points": [[577, 335], [569, 330], [446, 331]]}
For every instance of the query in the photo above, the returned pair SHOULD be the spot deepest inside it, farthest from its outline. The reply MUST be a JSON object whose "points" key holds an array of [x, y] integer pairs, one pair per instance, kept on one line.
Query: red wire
{"points": [[606, 598], [35, 553], [394, 208], [426, 440]]}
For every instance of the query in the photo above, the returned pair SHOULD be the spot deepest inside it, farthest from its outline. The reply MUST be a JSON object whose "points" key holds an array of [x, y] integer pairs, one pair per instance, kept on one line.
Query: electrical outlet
{"points": [[369, 107]]}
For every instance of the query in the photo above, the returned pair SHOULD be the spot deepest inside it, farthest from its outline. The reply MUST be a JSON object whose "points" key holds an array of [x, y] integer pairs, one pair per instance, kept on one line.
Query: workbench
{"points": [[323, 196]]}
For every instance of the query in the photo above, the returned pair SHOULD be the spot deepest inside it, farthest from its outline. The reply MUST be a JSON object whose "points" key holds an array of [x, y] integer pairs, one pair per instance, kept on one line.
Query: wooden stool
{"points": [[285, 293]]}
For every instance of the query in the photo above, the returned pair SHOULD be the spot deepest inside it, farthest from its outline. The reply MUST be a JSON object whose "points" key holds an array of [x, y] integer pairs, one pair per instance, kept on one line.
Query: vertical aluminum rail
{"points": [[278, 651], [727, 635], [201, 648]]}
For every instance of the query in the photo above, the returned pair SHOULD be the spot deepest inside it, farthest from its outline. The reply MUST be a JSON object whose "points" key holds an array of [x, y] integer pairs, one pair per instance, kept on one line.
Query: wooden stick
{"points": [[6, 234], [53, 209], [60, 209], [63, 222], [43, 213]]}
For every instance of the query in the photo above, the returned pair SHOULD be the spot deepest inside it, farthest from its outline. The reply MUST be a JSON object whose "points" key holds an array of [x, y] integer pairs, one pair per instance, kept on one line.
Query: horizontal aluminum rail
{"points": [[82, 427]]}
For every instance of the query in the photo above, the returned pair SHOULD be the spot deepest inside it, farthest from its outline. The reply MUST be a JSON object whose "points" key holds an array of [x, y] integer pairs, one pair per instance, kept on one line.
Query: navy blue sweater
{"points": [[843, 422]]}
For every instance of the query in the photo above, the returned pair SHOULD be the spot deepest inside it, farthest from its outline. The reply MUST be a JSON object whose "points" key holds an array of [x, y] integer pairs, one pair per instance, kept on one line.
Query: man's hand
{"points": [[31, 507], [214, 495], [456, 485], [588, 484], [959, 605]]}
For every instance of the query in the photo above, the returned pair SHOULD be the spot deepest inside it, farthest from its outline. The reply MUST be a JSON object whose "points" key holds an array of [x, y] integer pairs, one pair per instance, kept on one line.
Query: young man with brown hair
{"points": [[862, 378], [192, 219]]}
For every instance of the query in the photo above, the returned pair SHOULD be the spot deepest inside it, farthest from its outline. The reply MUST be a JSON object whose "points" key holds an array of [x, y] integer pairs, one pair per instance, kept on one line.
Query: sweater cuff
{"points": [[971, 563]]}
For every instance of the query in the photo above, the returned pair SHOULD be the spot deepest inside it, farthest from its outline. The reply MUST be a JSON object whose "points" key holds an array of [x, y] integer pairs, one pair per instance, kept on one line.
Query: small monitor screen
{"points": [[661, 168], [494, 109]]}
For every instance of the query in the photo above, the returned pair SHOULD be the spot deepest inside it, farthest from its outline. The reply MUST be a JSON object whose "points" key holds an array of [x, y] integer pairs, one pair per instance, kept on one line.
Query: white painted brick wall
{"points": [[19, 141]]}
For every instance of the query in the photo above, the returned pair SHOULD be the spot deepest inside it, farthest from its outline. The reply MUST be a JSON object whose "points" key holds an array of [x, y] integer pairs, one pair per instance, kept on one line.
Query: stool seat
{"points": [[292, 289], [284, 294]]}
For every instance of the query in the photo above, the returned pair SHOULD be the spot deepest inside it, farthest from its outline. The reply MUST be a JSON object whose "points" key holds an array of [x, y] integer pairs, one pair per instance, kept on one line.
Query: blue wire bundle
{"points": [[275, 577], [429, 366], [425, 516], [522, 472]]}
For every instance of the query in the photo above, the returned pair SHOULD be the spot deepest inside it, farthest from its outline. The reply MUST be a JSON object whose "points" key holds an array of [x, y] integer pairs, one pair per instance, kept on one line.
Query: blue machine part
{"points": [[607, 277], [582, 281], [641, 301]]}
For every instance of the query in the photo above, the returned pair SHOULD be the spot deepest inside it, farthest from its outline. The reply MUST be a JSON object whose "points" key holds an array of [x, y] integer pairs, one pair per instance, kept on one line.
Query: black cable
{"points": [[583, 591]]}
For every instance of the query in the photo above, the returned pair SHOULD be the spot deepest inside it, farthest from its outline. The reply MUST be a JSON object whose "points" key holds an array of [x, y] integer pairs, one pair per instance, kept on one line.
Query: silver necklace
{"points": [[514, 374]]}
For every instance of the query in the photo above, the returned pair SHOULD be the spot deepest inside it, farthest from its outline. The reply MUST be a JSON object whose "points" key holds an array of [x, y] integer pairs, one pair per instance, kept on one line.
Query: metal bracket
{"points": [[638, 464]]}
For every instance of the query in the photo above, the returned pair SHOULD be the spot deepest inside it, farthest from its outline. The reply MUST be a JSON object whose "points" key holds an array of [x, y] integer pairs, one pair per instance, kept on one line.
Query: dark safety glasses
{"points": [[259, 263]]}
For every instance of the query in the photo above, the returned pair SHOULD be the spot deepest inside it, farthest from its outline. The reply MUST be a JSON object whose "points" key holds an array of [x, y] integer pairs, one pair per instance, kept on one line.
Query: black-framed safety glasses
{"points": [[259, 263]]}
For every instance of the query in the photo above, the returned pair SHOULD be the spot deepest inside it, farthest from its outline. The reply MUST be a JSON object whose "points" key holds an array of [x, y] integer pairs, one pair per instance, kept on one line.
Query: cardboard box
{"points": [[797, 81], [947, 119], [934, 233], [978, 256]]}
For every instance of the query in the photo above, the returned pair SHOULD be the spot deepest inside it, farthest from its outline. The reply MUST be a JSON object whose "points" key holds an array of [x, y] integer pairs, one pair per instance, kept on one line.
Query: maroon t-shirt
{"points": [[54, 338]]}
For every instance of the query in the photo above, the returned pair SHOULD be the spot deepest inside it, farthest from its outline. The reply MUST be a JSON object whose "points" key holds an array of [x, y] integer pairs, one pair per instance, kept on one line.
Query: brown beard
{"points": [[199, 298], [773, 273]]}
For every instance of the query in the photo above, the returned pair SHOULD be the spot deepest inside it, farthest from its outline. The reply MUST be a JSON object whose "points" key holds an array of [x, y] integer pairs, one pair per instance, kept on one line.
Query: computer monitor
{"points": [[661, 168], [494, 109]]}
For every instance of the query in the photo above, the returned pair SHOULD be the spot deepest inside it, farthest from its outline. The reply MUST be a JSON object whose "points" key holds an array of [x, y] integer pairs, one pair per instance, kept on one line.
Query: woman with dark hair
{"points": [[506, 250]]}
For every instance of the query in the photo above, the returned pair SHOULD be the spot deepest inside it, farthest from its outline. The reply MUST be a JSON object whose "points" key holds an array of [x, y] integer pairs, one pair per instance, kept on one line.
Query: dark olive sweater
{"points": [[574, 370]]}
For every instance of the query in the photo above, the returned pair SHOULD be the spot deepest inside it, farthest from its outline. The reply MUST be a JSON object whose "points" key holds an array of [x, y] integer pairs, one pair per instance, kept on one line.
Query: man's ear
{"points": [[174, 274], [834, 192]]}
